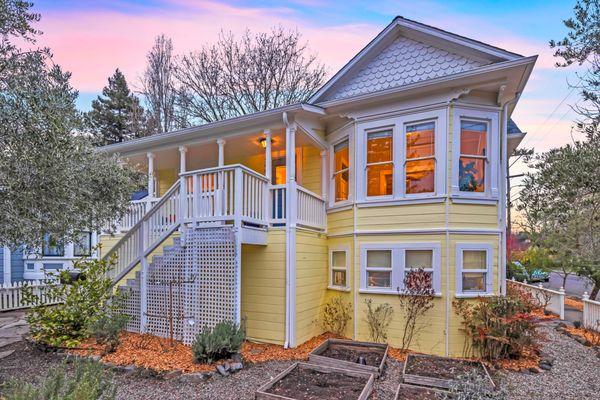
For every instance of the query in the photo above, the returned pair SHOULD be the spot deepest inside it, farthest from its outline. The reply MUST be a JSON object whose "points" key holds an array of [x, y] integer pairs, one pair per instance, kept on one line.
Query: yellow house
{"points": [[399, 161]]}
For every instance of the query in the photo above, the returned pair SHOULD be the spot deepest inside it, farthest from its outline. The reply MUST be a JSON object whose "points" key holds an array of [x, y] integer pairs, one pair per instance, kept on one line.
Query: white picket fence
{"points": [[11, 295], [554, 298], [591, 313]]}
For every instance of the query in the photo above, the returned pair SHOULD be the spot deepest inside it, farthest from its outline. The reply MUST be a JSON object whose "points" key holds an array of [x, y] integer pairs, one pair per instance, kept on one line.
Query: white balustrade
{"points": [[591, 313], [554, 300], [311, 209], [277, 204]]}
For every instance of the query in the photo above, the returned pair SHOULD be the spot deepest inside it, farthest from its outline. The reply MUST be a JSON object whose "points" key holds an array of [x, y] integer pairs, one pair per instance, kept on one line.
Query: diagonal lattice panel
{"points": [[188, 287]]}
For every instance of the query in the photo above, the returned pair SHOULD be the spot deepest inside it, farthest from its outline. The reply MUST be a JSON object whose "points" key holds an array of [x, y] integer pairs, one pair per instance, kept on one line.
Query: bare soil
{"points": [[414, 393], [345, 352], [307, 384], [439, 367]]}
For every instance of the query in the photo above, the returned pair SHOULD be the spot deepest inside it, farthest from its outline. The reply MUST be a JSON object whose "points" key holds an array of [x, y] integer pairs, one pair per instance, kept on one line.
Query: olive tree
{"points": [[52, 180]]}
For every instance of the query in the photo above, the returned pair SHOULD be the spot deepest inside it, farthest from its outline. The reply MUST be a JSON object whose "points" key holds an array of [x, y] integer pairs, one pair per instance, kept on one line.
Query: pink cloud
{"points": [[92, 44]]}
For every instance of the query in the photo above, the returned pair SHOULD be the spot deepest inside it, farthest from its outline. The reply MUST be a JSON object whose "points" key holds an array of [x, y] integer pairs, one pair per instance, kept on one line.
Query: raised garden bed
{"points": [[345, 354], [304, 381], [439, 372], [411, 392]]}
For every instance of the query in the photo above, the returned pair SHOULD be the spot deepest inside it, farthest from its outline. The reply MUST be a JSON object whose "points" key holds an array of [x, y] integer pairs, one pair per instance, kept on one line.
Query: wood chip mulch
{"points": [[530, 358], [592, 337], [398, 354], [539, 315], [158, 354], [574, 303]]}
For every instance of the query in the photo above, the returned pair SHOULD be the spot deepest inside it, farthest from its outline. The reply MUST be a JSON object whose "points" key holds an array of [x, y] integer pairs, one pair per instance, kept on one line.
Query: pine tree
{"points": [[117, 115]]}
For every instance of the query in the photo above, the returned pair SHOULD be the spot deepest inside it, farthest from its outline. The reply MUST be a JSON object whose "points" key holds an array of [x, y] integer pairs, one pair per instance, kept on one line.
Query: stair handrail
{"points": [[137, 227]]}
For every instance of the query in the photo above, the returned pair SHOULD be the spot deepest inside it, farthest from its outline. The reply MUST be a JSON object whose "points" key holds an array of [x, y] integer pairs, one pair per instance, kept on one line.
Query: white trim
{"points": [[398, 264], [7, 265], [487, 202], [428, 231], [488, 270], [384, 203], [339, 249], [398, 126], [492, 151]]}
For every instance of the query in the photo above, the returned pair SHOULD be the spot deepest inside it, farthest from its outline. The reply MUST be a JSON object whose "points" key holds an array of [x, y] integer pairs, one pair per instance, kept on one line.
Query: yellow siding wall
{"points": [[263, 289], [473, 216], [166, 178], [311, 169], [347, 296], [311, 283], [107, 242], [340, 222], [408, 216]]}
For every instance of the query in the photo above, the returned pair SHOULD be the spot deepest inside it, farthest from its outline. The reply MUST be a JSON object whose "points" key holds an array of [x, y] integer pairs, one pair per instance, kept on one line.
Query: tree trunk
{"points": [[595, 291], [564, 278]]}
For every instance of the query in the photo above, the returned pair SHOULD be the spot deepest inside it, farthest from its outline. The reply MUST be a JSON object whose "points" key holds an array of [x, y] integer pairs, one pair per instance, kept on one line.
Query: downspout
{"points": [[289, 264], [448, 185], [503, 195]]}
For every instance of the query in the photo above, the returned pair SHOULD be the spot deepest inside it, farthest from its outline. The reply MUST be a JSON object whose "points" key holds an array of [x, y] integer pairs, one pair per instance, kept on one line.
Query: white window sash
{"points": [[332, 268], [488, 271]]}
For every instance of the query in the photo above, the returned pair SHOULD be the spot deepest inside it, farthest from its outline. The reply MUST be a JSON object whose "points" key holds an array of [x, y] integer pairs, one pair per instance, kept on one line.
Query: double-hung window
{"points": [[474, 269], [338, 261], [380, 164], [341, 170], [53, 247], [82, 245], [473, 156], [420, 158], [384, 266]]}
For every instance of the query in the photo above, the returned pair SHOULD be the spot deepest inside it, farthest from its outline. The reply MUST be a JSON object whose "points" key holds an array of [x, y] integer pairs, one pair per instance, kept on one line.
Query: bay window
{"points": [[341, 170], [473, 156], [474, 269], [418, 260], [380, 165], [420, 158]]}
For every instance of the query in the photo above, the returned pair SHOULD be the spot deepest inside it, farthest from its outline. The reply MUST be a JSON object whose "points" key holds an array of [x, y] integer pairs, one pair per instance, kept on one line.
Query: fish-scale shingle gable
{"points": [[404, 61]]}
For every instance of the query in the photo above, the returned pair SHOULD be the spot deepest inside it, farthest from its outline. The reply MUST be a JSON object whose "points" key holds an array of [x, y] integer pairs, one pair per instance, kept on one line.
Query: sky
{"points": [[92, 38]]}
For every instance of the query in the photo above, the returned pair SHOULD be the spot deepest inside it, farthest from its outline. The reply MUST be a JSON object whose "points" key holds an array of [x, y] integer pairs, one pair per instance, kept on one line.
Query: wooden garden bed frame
{"points": [[262, 394], [442, 383], [316, 356], [405, 385]]}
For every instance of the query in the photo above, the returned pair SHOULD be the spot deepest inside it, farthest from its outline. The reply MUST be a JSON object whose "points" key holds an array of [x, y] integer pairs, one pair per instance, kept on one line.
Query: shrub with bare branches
{"points": [[336, 315], [378, 320], [415, 300]]}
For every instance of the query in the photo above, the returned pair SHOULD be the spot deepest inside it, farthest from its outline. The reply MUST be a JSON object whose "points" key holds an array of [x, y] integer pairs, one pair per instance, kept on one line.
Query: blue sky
{"points": [[91, 39]]}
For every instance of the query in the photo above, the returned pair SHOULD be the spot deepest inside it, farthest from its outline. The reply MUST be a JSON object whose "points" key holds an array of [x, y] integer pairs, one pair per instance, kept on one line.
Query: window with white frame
{"points": [[474, 269], [341, 170], [384, 266], [419, 166], [380, 163], [338, 262], [473, 156], [82, 245]]}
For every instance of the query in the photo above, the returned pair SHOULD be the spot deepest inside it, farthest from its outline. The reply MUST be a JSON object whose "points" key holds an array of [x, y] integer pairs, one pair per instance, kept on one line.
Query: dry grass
{"points": [[589, 335]]}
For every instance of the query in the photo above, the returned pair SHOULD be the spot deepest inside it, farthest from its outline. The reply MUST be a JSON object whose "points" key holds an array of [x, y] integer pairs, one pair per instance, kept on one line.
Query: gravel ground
{"points": [[575, 374], [30, 364]]}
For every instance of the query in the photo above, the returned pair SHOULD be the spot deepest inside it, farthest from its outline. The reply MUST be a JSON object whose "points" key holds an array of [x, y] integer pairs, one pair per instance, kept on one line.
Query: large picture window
{"points": [[474, 269], [473, 156], [420, 158], [341, 170], [380, 166]]}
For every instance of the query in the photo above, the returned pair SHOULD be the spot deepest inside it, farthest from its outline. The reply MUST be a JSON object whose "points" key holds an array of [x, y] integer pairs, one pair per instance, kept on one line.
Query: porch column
{"points": [[182, 159], [151, 189], [221, 144], [291, 197], [268, 155], [324, 177]]}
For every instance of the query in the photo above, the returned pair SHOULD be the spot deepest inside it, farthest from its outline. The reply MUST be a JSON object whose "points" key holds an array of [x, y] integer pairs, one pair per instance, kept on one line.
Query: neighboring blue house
{"points": [[12, 265]]}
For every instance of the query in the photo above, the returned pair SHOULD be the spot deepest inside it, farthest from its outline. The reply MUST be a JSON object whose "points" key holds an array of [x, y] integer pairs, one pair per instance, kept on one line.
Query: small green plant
{"points": [[106, 329], [84, 301], [89, 381], [336, 315], [378, 319], [474, 386], [217, 343]]}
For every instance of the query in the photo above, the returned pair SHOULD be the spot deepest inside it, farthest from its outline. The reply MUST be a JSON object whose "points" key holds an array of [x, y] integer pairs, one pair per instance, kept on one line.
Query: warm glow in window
{"points": [[473, 156], [341, 168], [279, 175], [420, 158], [379, 164]]}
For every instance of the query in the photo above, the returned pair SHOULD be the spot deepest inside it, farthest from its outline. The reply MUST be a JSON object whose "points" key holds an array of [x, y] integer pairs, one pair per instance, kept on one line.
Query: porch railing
{"points": [[137, 209], [591, 313], [310, 207]]}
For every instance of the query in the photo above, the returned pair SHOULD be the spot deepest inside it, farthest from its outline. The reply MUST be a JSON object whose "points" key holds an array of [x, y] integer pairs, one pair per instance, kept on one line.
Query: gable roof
{"points": [[406, 52]]}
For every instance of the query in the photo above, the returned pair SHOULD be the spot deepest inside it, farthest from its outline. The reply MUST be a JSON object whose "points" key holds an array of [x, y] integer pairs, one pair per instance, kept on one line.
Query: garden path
{"points": [[13, 328]]}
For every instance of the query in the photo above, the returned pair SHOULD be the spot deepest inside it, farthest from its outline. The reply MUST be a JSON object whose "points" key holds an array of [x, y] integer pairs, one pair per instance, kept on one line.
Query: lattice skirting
{"points": [[188, 287]]}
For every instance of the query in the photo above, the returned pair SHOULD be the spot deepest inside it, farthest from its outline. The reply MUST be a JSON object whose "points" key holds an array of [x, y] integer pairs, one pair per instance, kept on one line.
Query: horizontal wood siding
{"points": [[311, 283], [263, 289], [408, 216], [311, 169], [473, 216], [340, 222]]}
